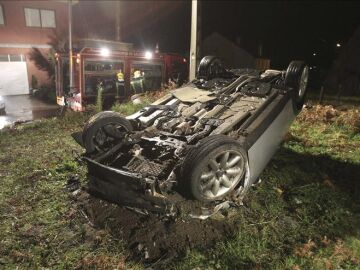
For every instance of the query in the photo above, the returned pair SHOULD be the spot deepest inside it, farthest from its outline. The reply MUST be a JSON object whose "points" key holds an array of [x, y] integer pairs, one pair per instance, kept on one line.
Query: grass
{"points": [[40, 227], [129, 108], [304, 215], [306, 212]]}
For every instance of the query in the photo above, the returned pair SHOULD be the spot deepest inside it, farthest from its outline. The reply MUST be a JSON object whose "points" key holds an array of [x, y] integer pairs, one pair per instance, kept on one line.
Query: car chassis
{"points": [[208, 140]]}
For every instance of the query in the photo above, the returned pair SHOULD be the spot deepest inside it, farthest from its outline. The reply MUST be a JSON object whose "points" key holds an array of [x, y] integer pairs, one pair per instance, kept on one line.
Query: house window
{"points": [[12, 58], [4, 58], [47, 18], [40, 18], [32, 17], [2, 21]]}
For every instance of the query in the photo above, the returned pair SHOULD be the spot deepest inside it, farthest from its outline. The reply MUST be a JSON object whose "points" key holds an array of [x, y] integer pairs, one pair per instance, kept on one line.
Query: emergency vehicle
{"points": [[114, 68]]}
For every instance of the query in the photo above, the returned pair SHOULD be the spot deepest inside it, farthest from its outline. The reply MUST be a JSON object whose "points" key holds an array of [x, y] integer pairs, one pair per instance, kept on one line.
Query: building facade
{"points": [[25, 25]]}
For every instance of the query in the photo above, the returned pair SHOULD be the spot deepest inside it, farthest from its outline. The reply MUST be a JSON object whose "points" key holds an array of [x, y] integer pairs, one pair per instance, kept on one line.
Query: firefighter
{"points": [[120, 83], [137, 82], [120, 76]]}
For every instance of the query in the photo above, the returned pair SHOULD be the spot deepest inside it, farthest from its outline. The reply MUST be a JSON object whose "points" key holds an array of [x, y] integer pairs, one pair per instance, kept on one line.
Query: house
{"points": [[25, 25], [231, 55]]}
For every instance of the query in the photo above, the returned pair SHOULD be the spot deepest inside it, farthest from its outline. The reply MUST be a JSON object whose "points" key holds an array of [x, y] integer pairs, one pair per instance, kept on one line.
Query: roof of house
{"points": [[231, 54]]}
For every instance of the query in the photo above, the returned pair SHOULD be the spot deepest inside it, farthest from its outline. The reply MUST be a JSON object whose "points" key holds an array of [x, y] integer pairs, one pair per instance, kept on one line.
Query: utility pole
{"points": [[193, 41], [71, 66], [118, 20]]}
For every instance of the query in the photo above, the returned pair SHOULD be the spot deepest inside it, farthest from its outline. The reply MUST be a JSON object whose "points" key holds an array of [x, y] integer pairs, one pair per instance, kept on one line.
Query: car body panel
{"points": [[261, 152], [192, 95], [123, 188]]}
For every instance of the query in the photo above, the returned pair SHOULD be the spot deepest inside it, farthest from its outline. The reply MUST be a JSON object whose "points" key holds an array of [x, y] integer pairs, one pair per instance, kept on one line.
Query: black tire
{"points": [[113, 123], [197, 160], [95, 117], [209, 68], [296, 77]]}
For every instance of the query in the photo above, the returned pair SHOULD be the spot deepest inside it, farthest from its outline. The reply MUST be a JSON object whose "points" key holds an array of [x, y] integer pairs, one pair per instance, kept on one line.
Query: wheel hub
{"points": [[221, 174], [303, 82]]}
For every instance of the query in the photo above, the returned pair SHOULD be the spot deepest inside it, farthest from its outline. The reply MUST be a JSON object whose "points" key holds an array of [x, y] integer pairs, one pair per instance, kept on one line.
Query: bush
{"points": [[34, 82], [46, 93], [128, 107]]}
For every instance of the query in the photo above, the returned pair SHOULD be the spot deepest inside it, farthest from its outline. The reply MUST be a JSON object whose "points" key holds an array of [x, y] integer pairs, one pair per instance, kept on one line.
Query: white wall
{"points": [[13, 78]]}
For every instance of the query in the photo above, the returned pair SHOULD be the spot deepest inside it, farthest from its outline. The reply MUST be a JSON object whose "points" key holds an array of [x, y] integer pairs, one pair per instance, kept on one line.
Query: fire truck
{"points": [[115, 69]]}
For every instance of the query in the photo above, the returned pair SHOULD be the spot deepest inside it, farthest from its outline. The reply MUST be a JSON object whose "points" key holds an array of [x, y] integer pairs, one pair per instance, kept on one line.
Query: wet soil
{"points": [[155, 239]]}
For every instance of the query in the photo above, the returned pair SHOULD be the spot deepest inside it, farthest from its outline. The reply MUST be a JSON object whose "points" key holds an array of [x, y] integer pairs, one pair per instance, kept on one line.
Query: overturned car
{"points": [[206, 141]]}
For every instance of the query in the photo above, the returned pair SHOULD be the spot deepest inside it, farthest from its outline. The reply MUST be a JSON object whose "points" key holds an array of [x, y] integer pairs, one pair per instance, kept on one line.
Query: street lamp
{"points": [[338, 45]]}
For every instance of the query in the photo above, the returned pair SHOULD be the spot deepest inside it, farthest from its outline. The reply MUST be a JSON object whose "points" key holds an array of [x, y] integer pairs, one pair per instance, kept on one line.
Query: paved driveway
{"points": [[25, 108]]}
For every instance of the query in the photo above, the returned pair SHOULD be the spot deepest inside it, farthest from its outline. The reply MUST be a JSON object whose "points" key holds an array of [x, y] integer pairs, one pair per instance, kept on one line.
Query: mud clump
{"points": [[152, 238]]}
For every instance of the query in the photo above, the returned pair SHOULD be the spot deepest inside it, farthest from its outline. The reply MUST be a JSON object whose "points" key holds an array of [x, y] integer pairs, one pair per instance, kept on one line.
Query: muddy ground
{"points": [[154, 239]]}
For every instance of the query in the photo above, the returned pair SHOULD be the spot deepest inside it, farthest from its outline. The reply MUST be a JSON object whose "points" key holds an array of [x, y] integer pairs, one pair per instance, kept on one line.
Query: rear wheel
{"points": [[209, 68], [297, 76], [214, 168], [104, 130]]}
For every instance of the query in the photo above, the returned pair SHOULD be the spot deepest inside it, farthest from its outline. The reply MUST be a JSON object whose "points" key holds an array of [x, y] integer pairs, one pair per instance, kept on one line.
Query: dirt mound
{"points": [[154, 239], [330, 114]]}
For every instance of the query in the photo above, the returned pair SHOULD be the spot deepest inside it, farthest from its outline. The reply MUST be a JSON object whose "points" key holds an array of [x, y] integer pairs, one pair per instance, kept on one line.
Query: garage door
{"points": [[13, 77]]}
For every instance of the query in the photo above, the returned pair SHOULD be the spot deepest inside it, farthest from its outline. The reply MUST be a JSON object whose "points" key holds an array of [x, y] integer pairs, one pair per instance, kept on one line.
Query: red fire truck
{"points": [[119, 70]]}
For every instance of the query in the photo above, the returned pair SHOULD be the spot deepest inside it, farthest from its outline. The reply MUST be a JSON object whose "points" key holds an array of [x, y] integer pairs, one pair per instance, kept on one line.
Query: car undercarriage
{"points": [[207, 141]]}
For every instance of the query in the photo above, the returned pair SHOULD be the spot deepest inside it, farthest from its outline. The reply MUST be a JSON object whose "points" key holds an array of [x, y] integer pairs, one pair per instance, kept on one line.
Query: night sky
{"points": [[286, 30]]}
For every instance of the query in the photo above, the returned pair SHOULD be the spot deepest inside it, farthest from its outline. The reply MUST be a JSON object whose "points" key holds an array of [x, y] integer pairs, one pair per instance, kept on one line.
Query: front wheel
{"points": [[214, 168], [104, 130], [297, 77]]}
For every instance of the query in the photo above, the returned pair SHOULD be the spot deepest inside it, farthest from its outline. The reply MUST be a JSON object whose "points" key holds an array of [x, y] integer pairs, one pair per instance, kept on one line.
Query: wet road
{"points": [[25, 108]]}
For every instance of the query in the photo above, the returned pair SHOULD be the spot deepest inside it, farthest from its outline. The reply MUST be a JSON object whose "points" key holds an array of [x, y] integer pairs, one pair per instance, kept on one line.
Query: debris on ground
{"points": [[150, 237]]}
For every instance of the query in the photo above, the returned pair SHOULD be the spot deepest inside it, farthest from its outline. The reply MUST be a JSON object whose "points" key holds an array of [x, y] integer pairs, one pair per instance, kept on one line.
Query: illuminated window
{"points": [[2, 21], [40, 18]]}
